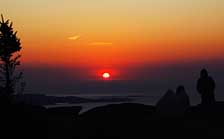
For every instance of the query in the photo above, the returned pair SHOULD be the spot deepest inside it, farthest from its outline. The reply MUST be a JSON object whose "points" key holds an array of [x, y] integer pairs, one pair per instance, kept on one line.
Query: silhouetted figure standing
{"points": [[206, 88]]}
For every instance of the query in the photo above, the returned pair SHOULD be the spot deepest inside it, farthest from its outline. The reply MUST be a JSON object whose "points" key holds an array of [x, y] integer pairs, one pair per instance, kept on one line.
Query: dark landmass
{"points": [[127, 120], [41, 99]]}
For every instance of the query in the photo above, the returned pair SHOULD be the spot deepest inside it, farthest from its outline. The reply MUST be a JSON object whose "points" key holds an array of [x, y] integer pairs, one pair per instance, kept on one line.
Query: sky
{"points": [[131, 39]]}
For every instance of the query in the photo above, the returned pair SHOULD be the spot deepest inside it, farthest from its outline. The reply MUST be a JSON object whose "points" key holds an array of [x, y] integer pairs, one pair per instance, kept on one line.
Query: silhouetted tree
{"points": [[9, 58]]}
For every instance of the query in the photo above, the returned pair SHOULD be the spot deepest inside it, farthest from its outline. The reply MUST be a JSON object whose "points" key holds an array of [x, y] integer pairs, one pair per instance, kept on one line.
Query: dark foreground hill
{"points": [[126, 120]]}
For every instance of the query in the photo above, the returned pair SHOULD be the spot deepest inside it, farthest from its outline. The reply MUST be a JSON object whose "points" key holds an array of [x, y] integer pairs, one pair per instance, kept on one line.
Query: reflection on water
{"points": [[149, 100]]}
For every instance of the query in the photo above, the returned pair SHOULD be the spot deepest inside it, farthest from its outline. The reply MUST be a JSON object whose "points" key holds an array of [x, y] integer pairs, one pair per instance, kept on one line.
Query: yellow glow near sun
{"points": [[106, 75]]}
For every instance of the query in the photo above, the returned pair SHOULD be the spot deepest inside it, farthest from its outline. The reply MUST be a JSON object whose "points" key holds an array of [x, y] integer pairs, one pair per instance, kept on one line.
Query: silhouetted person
{"points": [[182, 99], [206, 88]]}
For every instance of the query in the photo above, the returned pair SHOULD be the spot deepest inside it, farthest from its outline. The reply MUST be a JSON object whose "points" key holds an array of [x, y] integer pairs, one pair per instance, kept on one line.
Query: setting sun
{"points": [[103, 68], [106, 75]]}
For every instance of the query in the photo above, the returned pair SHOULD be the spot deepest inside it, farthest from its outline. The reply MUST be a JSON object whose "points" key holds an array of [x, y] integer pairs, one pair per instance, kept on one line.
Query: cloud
{"points": [[76, 37], [100, 43]]}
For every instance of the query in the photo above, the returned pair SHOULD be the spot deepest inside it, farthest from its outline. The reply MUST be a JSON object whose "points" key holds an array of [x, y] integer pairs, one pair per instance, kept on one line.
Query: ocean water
{"points": [[133, 98], [147, 93], [148, 100]]}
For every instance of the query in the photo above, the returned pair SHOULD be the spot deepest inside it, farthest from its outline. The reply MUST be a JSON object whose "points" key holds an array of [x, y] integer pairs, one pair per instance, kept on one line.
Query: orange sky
{"points": [[106, 34]]}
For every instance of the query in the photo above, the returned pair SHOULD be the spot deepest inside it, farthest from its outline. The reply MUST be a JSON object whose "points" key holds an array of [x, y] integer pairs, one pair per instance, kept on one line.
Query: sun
{"points": [[106, 75]]}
